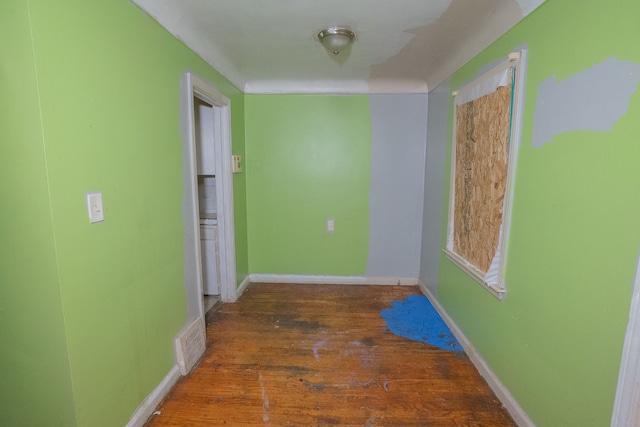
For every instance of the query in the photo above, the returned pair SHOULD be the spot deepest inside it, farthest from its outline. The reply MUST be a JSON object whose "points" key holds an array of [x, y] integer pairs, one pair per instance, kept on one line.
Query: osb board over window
{"points": [[482, 146]]}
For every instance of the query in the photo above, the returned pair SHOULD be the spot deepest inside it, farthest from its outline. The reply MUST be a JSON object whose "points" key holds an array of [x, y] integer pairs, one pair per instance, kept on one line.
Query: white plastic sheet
{"points": [[486, 87]]}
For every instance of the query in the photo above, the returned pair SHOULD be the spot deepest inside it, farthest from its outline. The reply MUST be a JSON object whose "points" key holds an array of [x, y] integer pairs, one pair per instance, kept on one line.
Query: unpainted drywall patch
{"points": [[593, 99], [416, 319], [435, 52]]}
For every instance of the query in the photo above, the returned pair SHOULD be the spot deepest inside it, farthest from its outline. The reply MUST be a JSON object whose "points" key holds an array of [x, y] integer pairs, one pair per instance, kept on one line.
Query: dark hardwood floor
{"points": [[320, 355]]}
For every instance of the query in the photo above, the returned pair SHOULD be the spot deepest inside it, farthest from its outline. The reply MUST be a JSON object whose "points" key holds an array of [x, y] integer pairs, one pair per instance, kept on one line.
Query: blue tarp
{"points": [[417, 320]]}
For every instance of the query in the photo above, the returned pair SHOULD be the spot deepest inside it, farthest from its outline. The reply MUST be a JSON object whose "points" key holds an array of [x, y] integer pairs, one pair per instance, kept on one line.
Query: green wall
{"points": [[308, 159], [35, 386], [556, 341], [94, 307], [239, 186], [88, 312]]}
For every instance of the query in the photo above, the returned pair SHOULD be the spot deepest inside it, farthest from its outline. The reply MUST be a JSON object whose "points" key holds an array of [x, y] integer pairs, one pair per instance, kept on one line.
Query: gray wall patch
{"points": [[435, 165], [398, 133], [593, 99]]}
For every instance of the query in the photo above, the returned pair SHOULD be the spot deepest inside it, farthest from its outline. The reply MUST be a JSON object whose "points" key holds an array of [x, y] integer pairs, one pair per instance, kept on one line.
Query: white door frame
{"points": [[625, 409], [194, 86]]}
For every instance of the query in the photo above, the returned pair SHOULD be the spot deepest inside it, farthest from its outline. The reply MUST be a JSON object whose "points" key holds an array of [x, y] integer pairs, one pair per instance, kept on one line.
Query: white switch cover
{"points": [[330, 225], [236, 163], [94, 205]]}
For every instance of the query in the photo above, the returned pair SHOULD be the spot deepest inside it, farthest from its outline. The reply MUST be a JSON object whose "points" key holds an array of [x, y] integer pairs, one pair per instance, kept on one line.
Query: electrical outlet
{"points": [[331, 225]]}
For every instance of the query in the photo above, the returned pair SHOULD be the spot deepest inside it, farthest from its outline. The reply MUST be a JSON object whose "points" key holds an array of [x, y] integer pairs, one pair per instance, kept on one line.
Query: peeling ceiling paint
{"points": [[440, 48], [271, 46]]}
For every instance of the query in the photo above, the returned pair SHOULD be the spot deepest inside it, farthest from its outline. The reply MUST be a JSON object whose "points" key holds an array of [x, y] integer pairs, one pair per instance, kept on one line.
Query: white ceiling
{"points": [[402, 46]]}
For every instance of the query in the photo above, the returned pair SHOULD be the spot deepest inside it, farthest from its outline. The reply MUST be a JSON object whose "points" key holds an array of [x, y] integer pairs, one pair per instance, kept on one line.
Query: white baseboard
{"points": [[508, 401], [243, 286], [333, 280], [149, 404]]}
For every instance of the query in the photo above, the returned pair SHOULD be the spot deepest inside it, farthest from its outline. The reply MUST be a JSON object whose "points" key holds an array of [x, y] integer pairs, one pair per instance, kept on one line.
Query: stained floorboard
{"points": [[321, 355]]}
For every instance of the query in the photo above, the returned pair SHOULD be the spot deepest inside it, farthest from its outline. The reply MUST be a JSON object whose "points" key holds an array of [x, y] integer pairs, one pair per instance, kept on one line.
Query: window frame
{"points": [[494, 283]]}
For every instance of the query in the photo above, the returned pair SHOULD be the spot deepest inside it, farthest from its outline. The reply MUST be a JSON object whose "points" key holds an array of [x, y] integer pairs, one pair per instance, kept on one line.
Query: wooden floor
{"points": [[320, 355]]}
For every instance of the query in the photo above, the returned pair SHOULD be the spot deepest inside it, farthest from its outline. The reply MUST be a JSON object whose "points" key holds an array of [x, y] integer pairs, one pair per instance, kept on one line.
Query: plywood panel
{"points": [[482, 141]]}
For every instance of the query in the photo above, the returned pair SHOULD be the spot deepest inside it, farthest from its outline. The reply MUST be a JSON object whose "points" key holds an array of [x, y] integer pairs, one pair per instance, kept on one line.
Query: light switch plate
{"points": [[237, 163], [94, 206]]}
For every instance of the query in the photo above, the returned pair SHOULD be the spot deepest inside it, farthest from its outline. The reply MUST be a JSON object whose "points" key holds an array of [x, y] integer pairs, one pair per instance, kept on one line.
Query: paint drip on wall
{"points": [[416, 319]]}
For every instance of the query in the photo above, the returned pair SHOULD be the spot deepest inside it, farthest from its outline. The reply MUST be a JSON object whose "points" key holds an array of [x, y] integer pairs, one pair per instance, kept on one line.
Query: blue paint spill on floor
{"points": [[417, 320]]}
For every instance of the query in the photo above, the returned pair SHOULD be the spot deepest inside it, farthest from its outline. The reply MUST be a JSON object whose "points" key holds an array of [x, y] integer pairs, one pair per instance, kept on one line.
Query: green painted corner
{"points": [[107, 299], [308, 159], [97, 110], [556, 341]]}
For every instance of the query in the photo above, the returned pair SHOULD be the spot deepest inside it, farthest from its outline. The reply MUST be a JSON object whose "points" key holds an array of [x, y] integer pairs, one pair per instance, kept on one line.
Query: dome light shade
{"points": [[336, 39]]}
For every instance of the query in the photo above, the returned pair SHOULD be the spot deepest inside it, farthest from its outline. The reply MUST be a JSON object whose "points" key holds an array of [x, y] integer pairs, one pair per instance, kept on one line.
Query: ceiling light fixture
{"points": [[336, 39]]}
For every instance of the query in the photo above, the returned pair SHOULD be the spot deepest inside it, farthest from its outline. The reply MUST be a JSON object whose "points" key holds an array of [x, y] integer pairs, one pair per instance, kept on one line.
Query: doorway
{"points": [[205, 139], [209, 240]]}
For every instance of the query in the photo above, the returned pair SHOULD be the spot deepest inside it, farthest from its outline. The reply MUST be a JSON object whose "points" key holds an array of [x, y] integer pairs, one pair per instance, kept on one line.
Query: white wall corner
{"points": [[149, 404], [502, 393]]}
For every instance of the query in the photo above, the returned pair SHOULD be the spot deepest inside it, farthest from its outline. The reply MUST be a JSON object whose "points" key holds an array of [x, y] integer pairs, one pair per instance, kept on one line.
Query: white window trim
{"points": [[498, 288]]}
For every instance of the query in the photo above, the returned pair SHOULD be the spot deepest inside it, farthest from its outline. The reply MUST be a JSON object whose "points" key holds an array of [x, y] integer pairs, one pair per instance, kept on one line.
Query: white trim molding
{"points": [[625, 408], [475, 273], [197, 87], [333, 280], [149, 404], [511, 71], [243, 286], [508, 401], [207, 92]]}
